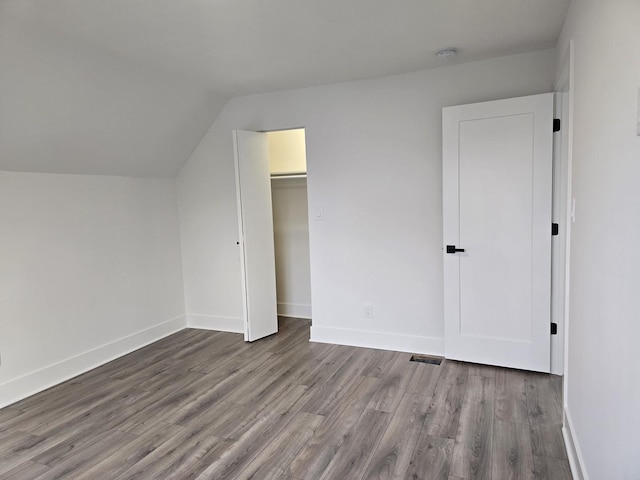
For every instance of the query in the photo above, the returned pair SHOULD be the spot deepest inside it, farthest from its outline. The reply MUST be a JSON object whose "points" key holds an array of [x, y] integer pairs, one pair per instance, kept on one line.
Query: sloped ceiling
{"points": [[128, 87]]}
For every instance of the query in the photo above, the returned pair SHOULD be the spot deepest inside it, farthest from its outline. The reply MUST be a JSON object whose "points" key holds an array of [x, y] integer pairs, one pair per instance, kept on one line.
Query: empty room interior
{"points": [[319, 240]]}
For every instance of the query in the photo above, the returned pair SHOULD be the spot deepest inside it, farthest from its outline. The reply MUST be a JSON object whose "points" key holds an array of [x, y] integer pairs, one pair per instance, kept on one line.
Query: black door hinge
{"points": [[554, 329], [555, 229], [556, 124]]}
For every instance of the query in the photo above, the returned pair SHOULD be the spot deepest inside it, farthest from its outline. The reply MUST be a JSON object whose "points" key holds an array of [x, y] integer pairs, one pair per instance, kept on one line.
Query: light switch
{"points": [[638, 119], [319, 214]]}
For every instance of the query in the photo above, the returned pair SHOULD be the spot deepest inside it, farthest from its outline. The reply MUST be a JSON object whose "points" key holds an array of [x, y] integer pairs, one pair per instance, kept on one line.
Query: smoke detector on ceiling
{"points": [[447, 53]]}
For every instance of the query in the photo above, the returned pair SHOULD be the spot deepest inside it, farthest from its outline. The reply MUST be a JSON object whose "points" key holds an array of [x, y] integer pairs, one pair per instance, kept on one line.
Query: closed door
{"points": [[497, 173], [255, 221]]}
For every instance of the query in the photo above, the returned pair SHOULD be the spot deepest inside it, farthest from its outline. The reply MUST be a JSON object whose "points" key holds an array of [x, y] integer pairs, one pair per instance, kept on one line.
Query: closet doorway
{"points": [[273, 228], [288, 169]]}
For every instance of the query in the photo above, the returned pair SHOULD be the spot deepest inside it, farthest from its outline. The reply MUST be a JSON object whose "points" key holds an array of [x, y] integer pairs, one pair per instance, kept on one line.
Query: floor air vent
{"points": [[425, 359]]}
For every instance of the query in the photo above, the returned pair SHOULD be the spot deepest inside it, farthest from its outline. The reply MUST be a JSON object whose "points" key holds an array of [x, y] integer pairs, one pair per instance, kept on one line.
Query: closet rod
{"points": [[288, 175]]}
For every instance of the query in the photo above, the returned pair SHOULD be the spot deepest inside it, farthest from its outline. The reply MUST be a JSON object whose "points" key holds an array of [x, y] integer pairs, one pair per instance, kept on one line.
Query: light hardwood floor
{"points": [[206, 405]]}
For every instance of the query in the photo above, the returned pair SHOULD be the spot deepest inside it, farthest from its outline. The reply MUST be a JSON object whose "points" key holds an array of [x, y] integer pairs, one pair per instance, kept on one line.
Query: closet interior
{"points": [[288, 170]]}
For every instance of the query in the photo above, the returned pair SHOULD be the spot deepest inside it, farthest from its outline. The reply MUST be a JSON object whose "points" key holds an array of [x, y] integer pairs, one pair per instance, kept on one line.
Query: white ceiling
{"points": [[128, 87]]}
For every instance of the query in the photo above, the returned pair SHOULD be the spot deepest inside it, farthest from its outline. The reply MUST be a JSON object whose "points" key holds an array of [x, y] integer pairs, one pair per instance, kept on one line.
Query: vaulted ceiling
{"points": [[129, 87]]}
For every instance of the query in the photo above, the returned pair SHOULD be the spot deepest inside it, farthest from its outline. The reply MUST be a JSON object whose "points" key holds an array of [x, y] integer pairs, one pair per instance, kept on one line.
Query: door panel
{"points": [[255, 220], [493, 262], [497, 206]]}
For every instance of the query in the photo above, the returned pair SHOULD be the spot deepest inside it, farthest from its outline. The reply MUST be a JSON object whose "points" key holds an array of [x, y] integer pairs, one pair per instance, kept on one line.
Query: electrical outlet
{"points": [[367, 310]]}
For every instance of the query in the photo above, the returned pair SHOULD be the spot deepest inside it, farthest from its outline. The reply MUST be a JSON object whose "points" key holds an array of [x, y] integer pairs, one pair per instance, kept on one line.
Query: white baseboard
{"points": [[576, 460], [215, 322], [379, 340], [295, 310], [22, 387]]}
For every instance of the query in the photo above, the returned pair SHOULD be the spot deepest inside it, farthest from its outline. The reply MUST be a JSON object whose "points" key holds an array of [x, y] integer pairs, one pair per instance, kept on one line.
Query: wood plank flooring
{"points": [[206, 405]]}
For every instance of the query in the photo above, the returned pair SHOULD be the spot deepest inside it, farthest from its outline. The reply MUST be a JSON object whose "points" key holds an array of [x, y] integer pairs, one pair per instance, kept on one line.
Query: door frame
{"points": [[565, 85], [562, 170]]}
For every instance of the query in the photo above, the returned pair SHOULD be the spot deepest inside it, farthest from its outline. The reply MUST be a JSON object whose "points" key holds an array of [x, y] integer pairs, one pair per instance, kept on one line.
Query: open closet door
{"points": [[255, 221]]}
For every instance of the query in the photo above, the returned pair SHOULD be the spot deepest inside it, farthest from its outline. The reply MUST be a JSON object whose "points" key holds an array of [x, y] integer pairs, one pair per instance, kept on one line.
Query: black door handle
{"points": [[453, 249]]}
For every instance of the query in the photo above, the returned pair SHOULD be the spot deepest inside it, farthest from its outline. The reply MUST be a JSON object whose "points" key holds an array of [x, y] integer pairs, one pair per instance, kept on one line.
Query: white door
{"points": [[497, 168], [255, 220]]}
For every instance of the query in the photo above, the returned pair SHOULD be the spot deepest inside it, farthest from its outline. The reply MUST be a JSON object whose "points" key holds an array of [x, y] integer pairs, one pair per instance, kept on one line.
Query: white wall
{"points": [[603, 390], [90, 269], [374, 167], [291, 235]]}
